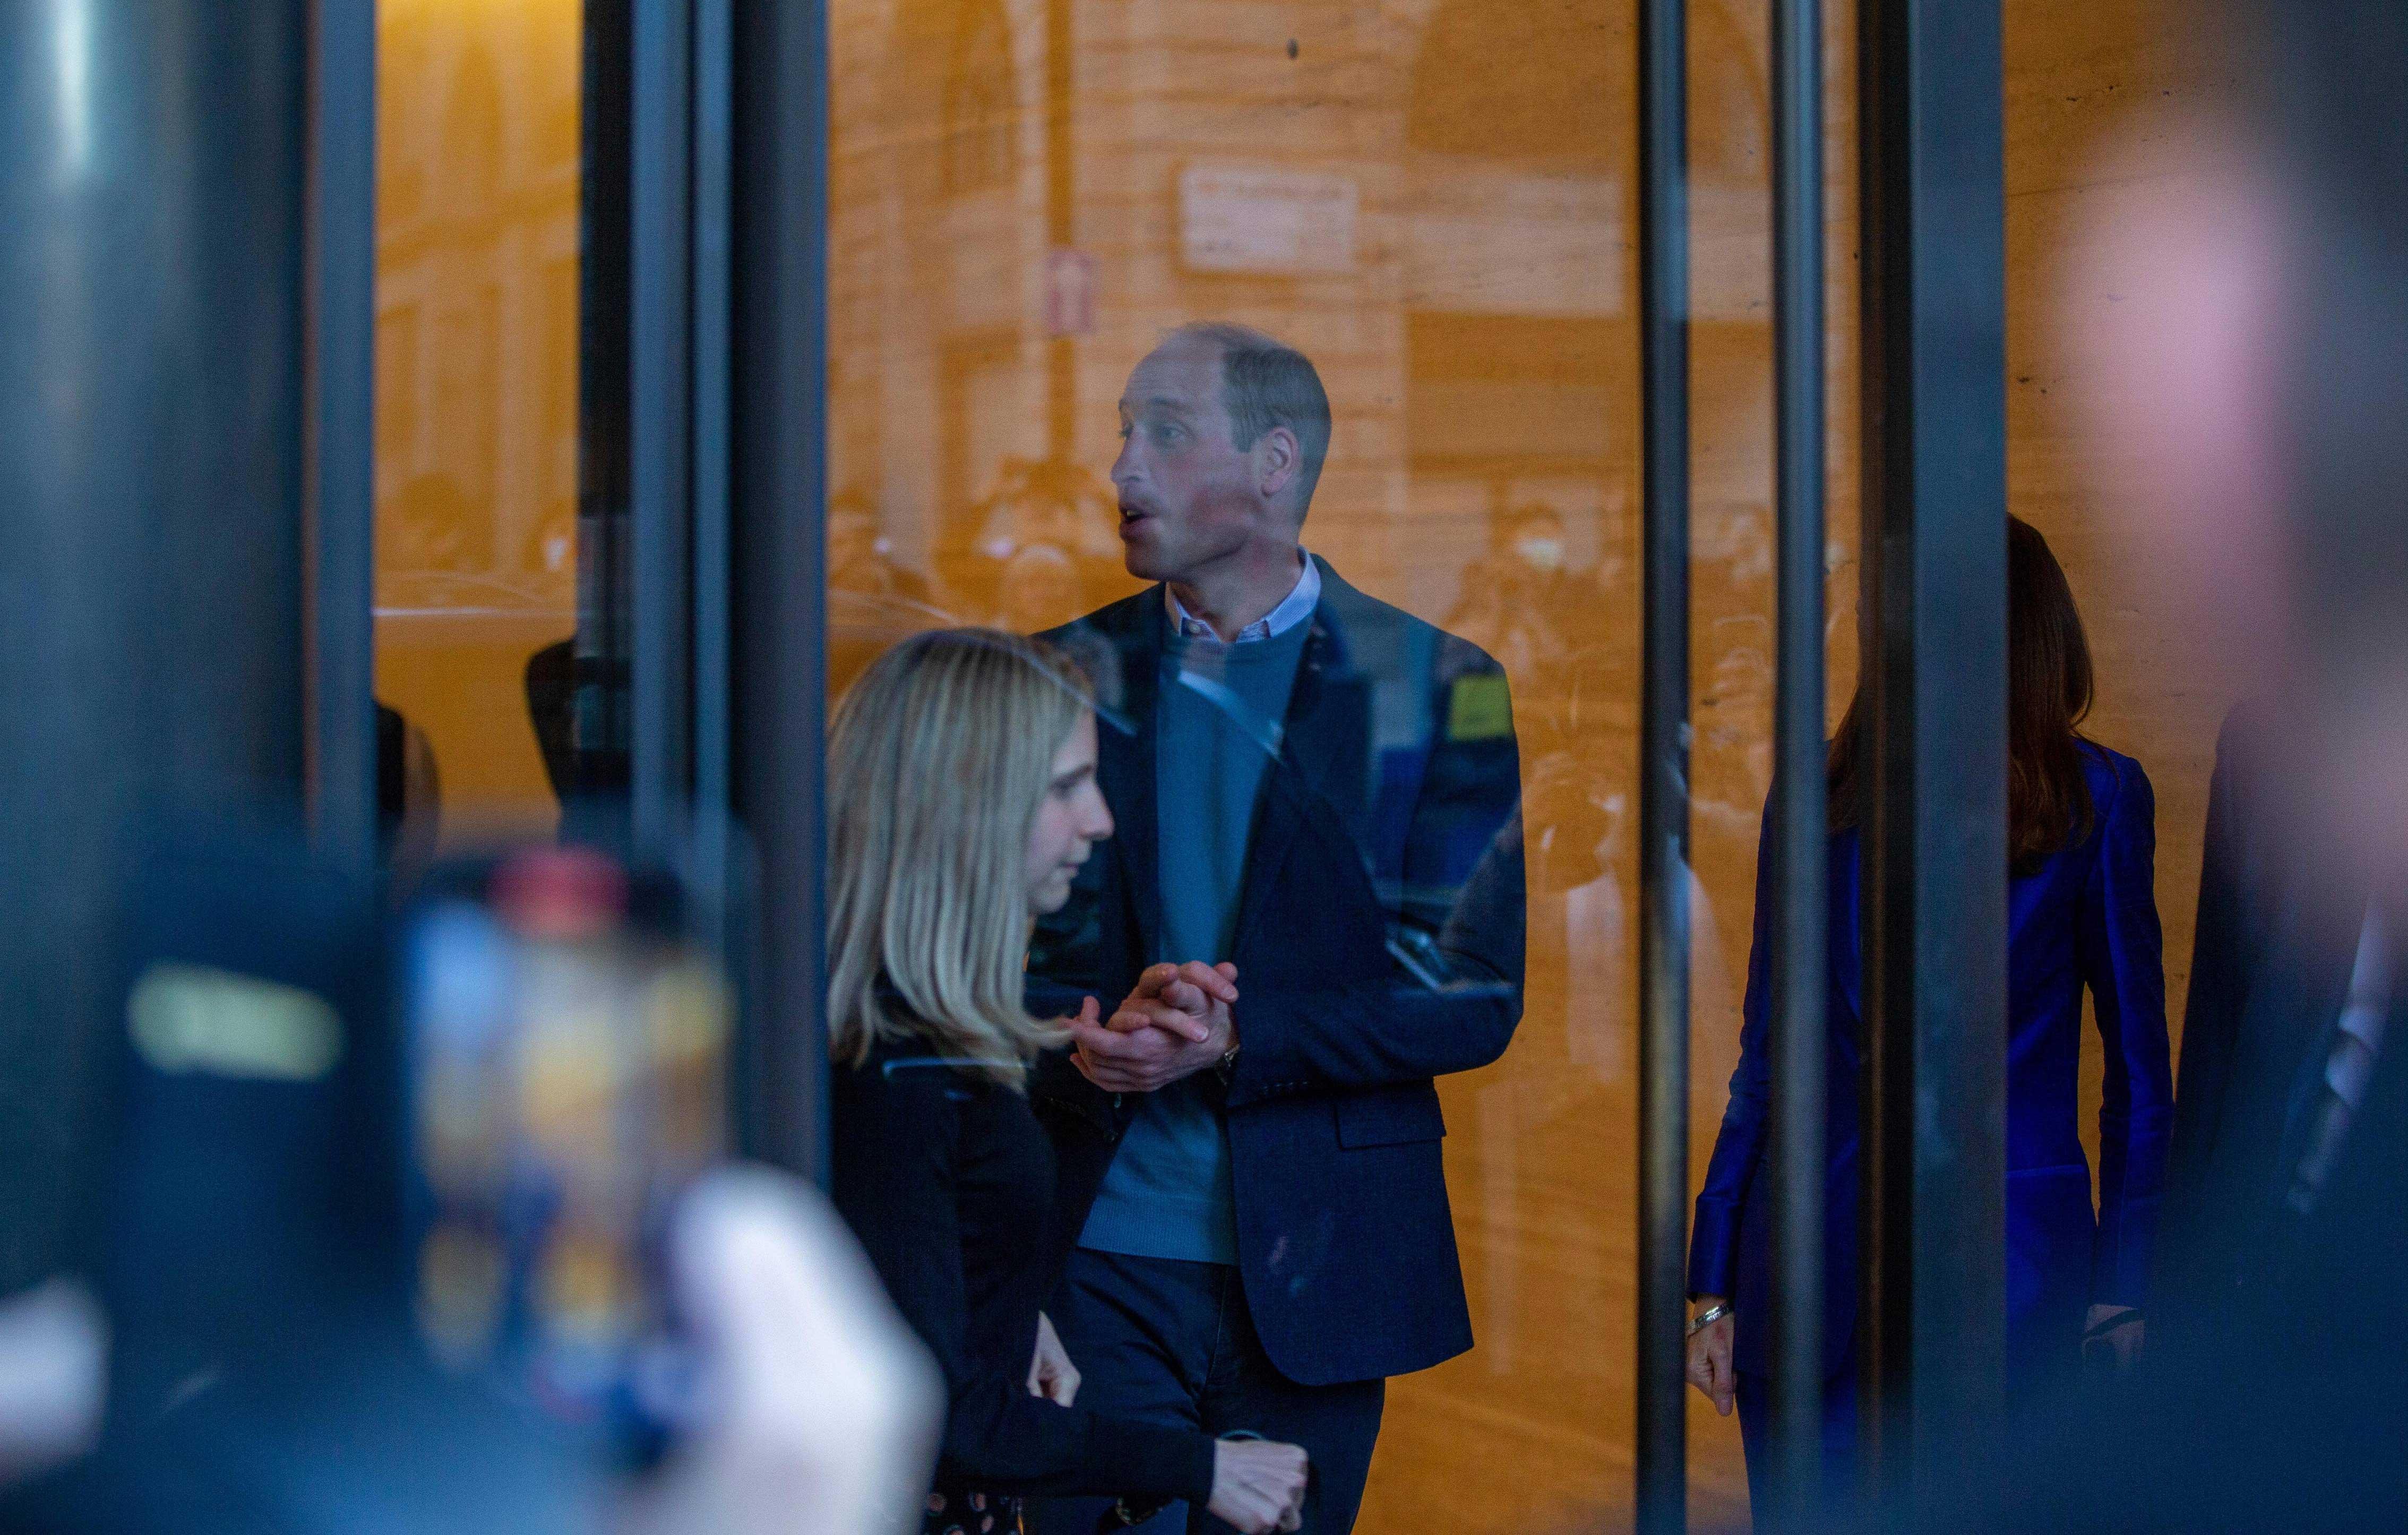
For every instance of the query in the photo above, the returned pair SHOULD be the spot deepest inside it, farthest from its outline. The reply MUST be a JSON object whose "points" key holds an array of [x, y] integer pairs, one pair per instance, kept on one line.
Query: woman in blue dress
{"points": [[2082, 913]]}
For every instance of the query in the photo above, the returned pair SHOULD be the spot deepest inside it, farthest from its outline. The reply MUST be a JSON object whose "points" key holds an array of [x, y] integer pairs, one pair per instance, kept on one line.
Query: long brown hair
{"points": [[2049, 689]]}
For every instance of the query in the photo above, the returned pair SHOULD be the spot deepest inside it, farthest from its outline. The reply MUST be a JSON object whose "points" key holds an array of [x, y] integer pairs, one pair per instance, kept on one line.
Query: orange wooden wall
{"points": [[1477, 334]]}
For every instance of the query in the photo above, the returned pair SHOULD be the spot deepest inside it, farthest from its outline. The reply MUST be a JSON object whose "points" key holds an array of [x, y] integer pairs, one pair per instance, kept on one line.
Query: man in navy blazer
{"points": [[1313, 907], [2280, 1352]]}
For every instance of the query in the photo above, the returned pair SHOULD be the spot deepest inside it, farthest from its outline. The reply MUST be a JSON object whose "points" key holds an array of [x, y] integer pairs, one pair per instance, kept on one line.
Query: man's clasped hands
{"points": [[1174, 1024]]}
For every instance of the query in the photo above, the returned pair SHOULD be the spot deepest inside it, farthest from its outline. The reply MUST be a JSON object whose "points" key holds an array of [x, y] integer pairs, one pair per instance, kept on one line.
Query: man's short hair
{"points": [[1265, 382]]}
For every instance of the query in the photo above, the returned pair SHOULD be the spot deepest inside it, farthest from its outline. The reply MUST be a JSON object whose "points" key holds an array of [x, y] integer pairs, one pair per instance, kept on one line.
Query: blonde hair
{"points": [[939, 758]]}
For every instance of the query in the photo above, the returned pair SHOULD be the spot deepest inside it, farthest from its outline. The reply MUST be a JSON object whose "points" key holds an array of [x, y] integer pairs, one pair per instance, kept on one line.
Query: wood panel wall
{"points": [[1480, 350]]}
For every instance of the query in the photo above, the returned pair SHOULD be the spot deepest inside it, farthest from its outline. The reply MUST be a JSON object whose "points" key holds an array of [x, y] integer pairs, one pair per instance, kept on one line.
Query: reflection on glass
{"points": [[475, 461], [1435, 201]]}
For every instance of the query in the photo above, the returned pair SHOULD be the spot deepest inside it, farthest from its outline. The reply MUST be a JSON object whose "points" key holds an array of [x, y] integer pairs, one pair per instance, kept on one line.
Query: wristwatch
{"points": [[1227, 1065]]}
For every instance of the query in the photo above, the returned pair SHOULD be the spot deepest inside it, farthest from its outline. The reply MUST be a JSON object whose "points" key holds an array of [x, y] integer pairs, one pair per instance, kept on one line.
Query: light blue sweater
{"points": [[1168, 1192]]}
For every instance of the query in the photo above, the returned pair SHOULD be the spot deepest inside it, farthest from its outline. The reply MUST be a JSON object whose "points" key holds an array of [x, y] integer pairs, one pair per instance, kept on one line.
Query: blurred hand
{"points": [[1258, 1486], [53, 1376], [1051, 1373], [1710, 1357], [1174, 1024], [2124, 1340], [821, 1408]]}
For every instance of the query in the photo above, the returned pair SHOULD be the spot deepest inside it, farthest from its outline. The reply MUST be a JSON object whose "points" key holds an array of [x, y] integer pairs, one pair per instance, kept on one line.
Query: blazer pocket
{"points": [[1390, 1118]]}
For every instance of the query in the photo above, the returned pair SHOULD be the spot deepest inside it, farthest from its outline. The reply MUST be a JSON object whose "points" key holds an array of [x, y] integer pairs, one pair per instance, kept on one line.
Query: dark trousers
{"points": [[1166, 1341], [2048, 1396], [1839, 1474]]}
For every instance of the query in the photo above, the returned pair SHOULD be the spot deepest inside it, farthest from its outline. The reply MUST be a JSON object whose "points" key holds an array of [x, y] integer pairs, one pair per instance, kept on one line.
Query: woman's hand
{"points": [[1710, 1356], [2121, 1338], [1258, 1486], [1051, 1373]]}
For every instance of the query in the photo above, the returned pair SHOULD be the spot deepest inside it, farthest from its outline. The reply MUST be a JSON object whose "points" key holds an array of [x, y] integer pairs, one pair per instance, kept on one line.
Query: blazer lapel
{"points": [[1313, 748], [1315, 740]]}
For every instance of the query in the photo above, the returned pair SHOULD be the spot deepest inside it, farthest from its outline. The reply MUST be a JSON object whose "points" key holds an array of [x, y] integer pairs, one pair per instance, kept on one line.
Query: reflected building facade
{"points": [[477, 238]]}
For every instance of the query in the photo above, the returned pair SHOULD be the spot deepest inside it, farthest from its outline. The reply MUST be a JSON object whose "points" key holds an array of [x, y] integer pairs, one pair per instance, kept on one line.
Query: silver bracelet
{"points": [[1707, 1317]]}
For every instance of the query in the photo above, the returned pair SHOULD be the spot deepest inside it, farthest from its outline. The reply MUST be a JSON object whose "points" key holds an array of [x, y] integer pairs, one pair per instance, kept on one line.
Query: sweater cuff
{"points": [[1153, 1459], [1713, 1239]]}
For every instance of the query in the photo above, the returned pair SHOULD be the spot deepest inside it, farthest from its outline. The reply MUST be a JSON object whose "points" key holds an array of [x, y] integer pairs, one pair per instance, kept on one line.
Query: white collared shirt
{"points": [[1293, 609]]}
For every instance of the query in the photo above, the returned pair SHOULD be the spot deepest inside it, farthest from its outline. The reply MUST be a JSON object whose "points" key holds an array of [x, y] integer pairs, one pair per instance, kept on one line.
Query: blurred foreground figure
{"points": [[53, 1343], [823, 1409], [265, 1372], [2257, 386]]}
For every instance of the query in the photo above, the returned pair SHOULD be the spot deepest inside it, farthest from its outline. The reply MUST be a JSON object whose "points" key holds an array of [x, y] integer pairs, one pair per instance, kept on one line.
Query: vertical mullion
{"points": [[339, 474], [778, 507], [599, 707], [659, 418], [1936, 892], [712, 741], [1663, 768], [1888, 1081], [1061, 227], [1957, 500], [1800, 843]]}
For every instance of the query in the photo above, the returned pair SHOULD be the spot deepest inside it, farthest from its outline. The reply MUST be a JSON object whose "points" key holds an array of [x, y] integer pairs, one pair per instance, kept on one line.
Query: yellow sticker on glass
{"points": [[1479, 707]]}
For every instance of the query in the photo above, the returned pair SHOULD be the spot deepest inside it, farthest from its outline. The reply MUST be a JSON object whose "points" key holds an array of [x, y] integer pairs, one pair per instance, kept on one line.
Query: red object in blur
{"points": [[562, 894]]}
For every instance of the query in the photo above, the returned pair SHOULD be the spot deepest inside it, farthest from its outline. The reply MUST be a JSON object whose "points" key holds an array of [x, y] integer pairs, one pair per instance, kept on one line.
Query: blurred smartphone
{"points": [[565, 1035]]}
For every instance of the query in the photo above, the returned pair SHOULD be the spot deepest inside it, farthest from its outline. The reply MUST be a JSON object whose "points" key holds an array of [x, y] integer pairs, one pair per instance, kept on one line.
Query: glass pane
{"points": [[477, 347], [1436, 204]]}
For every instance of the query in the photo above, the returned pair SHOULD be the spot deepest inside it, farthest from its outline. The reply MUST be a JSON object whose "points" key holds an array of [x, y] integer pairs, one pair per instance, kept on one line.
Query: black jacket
{"points": [[945, 1177]]}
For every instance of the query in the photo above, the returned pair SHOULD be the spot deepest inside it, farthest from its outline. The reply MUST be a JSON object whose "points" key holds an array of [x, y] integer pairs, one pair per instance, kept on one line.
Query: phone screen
{"points": [[566, 1040]]}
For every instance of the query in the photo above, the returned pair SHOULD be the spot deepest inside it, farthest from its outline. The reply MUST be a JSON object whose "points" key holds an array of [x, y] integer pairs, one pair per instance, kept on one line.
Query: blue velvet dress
{"points": [[2088, 918]]}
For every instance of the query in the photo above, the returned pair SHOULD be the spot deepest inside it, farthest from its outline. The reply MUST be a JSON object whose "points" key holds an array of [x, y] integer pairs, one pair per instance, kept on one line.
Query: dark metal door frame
{"points": [[1933, 410], [662, 512], [778, 508], [701, 445], [1663, 767], [727, 368], [339, 455], [1800, 839], [1933, 1219], [652, 426]]}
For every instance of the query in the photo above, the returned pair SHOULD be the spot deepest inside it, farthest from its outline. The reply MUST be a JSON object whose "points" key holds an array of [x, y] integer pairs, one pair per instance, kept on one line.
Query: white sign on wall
{"points": [[1263, 220]]}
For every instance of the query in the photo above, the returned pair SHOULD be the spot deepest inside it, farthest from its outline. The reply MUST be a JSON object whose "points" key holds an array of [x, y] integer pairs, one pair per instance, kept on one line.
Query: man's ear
{"points": [[1278, 458]]}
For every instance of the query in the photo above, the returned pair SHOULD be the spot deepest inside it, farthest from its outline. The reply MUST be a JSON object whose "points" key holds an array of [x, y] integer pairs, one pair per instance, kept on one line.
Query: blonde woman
{"points": [[962, 799]]}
